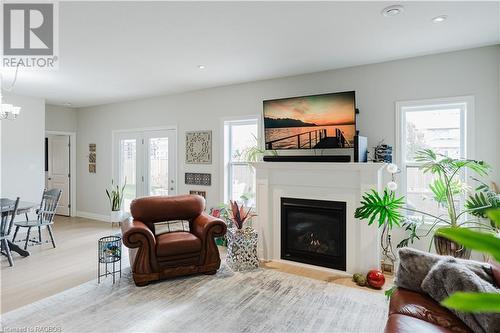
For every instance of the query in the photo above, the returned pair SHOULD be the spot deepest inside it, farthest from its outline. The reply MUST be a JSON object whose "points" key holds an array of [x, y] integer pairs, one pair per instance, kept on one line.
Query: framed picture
{"points": [[202, 193], [92, 158], [199, 147], [193, 178]]}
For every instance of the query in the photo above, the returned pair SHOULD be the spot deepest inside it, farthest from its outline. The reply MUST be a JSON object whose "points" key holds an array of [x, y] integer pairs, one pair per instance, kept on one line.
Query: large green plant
{"points": [[484, 242], [446, 186]]}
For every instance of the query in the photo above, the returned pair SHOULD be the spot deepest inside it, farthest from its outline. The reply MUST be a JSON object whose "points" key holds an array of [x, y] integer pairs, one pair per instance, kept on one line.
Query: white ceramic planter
{"points": [[116, 216]]}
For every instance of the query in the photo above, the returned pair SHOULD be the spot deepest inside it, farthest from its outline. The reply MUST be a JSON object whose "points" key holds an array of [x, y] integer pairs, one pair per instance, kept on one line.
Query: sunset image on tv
{"points": [[311, 122]]}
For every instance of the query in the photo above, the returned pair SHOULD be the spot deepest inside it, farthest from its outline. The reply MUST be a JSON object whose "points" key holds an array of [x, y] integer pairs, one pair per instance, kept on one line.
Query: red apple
{"points": [[375, 278]]}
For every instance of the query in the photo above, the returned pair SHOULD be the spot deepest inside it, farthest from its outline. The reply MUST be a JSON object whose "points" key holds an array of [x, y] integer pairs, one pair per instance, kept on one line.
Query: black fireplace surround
{"points": [[314, 232]]}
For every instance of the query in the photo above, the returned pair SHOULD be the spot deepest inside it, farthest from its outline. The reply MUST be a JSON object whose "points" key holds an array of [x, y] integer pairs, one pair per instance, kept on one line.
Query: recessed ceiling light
{"points": [[392, 10], [67, 104], [439, 19], [201, 67]]}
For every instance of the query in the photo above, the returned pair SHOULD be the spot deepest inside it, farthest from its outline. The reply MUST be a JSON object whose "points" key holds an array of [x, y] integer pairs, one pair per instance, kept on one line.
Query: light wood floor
{"points": [[48, 271]]}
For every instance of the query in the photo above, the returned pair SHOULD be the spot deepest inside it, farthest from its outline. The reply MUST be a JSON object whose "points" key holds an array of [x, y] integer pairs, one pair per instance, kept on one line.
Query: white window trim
{"points": [[467, 122], [224, 153]]}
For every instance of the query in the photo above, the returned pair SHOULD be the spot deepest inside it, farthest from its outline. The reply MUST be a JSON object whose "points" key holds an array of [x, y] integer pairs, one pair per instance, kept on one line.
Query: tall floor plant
{"points": [[386, 209]]}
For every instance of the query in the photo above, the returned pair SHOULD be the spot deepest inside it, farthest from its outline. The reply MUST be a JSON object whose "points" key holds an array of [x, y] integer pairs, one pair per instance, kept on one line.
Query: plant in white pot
{"points": [[241, 240], [115, 196]]}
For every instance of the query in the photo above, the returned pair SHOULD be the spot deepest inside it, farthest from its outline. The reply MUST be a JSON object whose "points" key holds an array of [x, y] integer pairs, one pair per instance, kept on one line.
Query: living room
{"points": [[189, 142]]}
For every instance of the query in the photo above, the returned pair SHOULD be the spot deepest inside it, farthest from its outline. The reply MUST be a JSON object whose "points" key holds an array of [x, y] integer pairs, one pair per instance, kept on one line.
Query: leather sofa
{"points": [[411, 312], [154, 257]]}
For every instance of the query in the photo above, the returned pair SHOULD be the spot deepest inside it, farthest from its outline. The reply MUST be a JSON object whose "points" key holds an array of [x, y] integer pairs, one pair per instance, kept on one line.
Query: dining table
{"points": [[6, 209]]}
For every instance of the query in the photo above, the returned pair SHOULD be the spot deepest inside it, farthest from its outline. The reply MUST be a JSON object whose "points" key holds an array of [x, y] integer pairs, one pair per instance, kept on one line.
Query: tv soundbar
{"points": [[308, 158]]}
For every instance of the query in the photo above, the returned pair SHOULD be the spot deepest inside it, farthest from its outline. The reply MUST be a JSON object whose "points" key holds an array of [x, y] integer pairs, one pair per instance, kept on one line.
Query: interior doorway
{"points": [[60, 169]]}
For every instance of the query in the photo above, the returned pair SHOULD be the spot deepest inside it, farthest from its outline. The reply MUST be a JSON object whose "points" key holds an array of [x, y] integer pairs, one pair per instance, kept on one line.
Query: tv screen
{"points": [[311, 122]]}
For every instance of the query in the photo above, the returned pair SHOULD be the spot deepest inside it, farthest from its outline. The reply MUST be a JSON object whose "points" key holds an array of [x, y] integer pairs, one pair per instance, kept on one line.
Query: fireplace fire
{"points": [[314, 232]]}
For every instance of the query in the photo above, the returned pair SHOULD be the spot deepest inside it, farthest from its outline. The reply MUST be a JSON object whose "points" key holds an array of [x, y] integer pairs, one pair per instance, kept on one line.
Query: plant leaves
{"points": [[383, 209], [494, 216], [480, 241], [473, 302]]}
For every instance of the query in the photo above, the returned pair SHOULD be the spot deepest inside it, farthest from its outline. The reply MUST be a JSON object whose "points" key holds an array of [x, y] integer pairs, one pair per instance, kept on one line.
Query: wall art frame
{"points": [[199, 147]]}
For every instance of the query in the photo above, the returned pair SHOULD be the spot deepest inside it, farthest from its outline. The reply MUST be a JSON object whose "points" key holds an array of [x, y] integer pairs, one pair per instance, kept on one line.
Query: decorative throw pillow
{"points": [[171, 226]]}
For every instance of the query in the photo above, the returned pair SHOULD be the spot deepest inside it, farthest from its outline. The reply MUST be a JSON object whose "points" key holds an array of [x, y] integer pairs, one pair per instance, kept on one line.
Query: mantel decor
{"points": [[199, 147]]}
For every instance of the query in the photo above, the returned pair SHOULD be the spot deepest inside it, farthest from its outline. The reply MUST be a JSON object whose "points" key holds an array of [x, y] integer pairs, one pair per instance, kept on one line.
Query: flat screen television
{"points": [[323, 121]]}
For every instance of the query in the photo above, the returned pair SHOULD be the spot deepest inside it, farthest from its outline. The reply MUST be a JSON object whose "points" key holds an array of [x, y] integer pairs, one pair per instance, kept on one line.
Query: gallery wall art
{"points": [[202, 193], [92, 158], [199, 147], [193, 178]]}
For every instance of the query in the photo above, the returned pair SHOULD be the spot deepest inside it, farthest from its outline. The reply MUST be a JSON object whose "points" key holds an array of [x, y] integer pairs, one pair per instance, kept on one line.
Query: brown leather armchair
{"points": [[411, 312], [176, 253]]}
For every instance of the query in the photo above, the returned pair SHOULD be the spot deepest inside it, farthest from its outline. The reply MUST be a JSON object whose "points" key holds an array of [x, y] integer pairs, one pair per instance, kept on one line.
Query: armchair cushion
{"points": [[175, 243], [171, 226]]}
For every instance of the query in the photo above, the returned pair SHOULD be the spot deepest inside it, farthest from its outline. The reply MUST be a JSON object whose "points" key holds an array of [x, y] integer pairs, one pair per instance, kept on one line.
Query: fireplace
{"points": [[314, 232]]}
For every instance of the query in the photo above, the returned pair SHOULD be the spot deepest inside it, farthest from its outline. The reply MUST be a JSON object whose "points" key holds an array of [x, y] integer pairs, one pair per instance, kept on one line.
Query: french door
{"points": [[145, 163]]}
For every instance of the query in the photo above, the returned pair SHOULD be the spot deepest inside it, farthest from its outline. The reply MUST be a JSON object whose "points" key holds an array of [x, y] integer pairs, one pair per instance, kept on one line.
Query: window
{"points": [[440, 125], [239, 176]]}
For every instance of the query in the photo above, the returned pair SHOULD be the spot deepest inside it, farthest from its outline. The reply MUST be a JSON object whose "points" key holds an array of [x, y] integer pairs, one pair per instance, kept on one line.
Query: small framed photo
{"points": [[202, 193]]}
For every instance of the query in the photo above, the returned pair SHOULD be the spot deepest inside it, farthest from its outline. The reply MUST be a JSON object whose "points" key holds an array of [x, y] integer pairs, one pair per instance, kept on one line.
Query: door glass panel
{"points": [[158, 166], [128, 154]]}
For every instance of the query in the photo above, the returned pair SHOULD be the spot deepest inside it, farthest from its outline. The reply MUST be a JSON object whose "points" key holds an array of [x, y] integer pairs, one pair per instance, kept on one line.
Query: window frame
{"points": [[227, 125], [466, 105]]}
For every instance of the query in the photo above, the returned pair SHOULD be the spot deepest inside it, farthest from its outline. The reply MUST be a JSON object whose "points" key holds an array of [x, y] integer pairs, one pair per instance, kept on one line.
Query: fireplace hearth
{"points": [[314, 232]]}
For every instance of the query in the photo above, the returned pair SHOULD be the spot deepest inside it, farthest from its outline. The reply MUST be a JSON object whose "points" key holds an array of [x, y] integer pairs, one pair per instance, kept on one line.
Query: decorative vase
{"points": [[242, 249], [116, 216], [447, 247]]}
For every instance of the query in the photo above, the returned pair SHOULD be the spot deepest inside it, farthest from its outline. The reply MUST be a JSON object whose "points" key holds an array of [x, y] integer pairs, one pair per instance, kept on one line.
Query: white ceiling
{"points": [[114, 51]]}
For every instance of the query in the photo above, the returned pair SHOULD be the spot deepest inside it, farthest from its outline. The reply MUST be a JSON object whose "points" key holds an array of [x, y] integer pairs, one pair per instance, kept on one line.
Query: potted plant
{"points": [[115, 196], [241, 239], [446, 186], [254, 153]]}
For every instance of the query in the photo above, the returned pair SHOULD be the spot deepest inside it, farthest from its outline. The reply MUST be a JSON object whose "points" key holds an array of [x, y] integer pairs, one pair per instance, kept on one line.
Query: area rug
{"points": [[263, 300]]}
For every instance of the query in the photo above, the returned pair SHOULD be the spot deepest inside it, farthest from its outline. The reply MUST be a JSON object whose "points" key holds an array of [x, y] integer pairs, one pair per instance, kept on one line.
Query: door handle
{"points": [[49, 178]]}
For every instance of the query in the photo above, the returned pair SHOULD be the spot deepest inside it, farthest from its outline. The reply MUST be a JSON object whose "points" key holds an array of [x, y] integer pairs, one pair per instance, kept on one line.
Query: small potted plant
{"points": [[115, 196], [241, 239]]}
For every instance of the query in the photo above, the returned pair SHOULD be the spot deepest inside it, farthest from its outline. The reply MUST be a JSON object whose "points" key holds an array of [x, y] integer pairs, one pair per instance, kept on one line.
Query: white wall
{"points": [[22, 150], [60, 118], [378, 87]]}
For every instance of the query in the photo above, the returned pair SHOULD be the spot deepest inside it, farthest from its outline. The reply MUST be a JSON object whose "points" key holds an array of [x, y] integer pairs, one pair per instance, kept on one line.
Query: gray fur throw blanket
{"points": [[441, 276]]}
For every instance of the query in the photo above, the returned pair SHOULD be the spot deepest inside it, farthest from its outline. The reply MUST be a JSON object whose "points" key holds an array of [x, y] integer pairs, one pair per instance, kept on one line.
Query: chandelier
{"points": [[8, 111]]}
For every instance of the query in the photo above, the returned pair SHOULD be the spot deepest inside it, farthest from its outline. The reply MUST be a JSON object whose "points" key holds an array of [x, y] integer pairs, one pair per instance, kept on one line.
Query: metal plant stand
{"points": [[110, 257], [242, 249]]}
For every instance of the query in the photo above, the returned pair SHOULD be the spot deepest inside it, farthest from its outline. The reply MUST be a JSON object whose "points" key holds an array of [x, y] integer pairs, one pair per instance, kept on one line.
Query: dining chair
{"points": [[45, 216], [7, 219]]}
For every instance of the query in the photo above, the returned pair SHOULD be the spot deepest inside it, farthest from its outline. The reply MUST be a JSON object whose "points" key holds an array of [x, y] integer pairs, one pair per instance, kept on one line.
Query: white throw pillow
{"points": [[171, 226]]}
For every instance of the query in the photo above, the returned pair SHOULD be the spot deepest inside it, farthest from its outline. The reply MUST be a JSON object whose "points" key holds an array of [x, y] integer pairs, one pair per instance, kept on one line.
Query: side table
{"points": [[109, 253]]}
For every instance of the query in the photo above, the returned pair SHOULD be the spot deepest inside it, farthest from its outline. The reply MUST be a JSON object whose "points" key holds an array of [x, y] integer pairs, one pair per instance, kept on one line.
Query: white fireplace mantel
{"points": [[320, 181]]}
